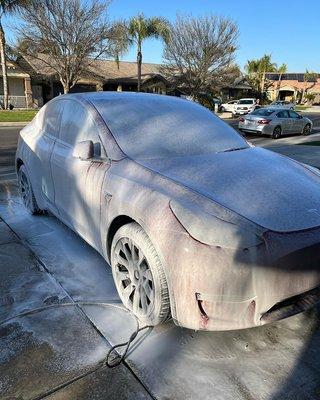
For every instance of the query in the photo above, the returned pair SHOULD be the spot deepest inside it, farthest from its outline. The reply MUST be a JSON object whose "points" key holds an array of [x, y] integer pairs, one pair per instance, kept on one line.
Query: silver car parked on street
{"points": [[275, 122]]}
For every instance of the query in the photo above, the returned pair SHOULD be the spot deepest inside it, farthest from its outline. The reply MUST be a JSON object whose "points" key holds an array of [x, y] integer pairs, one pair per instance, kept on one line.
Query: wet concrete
{"points": [[274, 362]]}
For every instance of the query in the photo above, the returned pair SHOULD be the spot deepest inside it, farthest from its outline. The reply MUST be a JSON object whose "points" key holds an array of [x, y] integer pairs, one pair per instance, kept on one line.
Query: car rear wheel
{"points": [[277, 132], [139, 275], [26, 191], [306, 130], [223, 109]]}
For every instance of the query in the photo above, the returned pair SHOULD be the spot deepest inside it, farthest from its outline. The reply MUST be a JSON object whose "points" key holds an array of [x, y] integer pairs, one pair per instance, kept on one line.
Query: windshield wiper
{"points": [[232, 149]]}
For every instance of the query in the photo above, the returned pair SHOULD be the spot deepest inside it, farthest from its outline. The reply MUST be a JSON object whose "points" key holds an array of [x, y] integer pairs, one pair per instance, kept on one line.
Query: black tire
{"points": [[223, 109], [276, 134], [139, 275], [306, 130], [26, 191]]}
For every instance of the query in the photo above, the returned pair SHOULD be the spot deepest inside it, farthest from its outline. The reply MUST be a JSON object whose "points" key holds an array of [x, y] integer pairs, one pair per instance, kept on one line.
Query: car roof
{"points": [[272, 109], [95, 96]]}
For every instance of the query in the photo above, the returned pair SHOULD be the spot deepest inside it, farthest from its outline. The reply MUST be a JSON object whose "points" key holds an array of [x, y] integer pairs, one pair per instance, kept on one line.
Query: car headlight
{"points": [[211, 230]]}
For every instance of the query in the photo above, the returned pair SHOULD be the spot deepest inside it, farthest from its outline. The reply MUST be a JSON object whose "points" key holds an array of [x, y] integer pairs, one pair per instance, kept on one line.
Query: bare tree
{"points": [[65, 35], [199, 57]]}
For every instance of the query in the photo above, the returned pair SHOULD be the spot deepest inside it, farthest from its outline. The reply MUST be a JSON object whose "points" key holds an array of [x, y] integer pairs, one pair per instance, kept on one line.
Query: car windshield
{"points": [[245, 102], [156, 126], [263, 112]]}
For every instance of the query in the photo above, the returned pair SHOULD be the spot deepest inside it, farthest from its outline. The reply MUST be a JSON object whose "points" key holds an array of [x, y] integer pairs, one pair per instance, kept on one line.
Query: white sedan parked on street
{"points": [[229, 107]]}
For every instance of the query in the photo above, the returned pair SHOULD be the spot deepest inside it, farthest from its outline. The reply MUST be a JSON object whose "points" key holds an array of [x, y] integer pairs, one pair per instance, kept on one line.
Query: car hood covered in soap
{"points": [[270, 190]]}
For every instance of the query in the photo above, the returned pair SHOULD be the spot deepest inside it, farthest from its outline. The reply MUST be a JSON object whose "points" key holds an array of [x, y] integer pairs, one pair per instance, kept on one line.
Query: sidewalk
{"points": [[22, 124]]}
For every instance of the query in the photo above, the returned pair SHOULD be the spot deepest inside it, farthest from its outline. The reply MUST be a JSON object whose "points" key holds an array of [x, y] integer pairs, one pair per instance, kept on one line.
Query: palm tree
{"points": [[139, 28], [309, 81], [6, 6], [281, 70], [256, 71]]}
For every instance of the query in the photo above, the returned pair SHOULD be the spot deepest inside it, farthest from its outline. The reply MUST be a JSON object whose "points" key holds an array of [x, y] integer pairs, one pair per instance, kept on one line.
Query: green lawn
{"points": [[17, 115], [301, 108]]}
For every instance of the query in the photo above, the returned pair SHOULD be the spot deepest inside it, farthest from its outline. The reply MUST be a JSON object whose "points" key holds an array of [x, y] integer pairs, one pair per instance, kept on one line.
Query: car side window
{"points": [[293, 114], [77, 125], [283, 114], [51, 118]]}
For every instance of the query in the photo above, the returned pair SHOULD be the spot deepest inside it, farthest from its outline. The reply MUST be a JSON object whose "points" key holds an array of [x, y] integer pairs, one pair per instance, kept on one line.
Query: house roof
{"points": [[240, 83], [98, 70], [291, 76], [14, 70], [109, 70]]}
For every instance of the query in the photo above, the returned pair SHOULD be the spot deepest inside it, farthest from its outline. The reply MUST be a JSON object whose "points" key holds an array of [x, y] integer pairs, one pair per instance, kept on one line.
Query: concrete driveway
{"points": [[58, 351]]}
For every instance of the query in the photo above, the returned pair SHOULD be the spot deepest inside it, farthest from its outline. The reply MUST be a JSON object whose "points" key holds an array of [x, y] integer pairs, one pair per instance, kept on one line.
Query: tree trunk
{"points": [[66, 87], [263, 81], [4, 67], [139, 62]]}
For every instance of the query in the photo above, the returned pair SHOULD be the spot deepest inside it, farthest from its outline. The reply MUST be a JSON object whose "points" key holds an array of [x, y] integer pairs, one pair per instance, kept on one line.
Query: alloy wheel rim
{"points": [[25, 190], [277, 133], [133, 277], [306, 130]]}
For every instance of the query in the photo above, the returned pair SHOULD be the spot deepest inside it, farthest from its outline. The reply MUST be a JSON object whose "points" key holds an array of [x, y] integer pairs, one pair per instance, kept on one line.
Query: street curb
{"points": [[14, 123]]}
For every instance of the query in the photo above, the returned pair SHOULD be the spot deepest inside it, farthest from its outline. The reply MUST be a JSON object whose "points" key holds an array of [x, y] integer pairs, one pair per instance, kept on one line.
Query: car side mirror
{"points": [[84, 150]]}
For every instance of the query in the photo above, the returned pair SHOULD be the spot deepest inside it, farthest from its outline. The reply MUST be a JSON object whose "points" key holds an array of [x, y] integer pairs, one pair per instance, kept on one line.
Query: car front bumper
{"points": [[217, 288]]}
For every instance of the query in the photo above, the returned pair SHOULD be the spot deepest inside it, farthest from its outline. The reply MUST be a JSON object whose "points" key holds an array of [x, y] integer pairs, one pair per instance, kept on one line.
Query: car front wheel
{"points": [[306, 130], [26, 191], [139, 275], [277, 132]]}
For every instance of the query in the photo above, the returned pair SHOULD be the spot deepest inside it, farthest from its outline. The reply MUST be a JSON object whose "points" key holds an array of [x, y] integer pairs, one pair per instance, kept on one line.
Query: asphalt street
{"points": [[8, 144]]}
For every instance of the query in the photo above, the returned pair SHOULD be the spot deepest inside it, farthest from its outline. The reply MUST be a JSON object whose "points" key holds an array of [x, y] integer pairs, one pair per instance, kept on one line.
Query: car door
{"points": [[48, 122], [297, 123], [78, 182], [285, 121]]}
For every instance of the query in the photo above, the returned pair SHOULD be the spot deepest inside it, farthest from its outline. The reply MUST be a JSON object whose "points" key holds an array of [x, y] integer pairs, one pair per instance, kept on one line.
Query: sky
{"points": [[289, 30]]}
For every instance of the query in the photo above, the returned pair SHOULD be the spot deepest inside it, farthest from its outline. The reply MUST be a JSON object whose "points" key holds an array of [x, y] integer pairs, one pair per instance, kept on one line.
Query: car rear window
{"points": [[263, 112], [245, 102]]}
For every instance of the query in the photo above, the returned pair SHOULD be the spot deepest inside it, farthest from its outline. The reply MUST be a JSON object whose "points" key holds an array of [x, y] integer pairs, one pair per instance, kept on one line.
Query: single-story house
{"points": [[290, 86], [240, 88], [32, 82], [107, 75], [19, 86]]}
